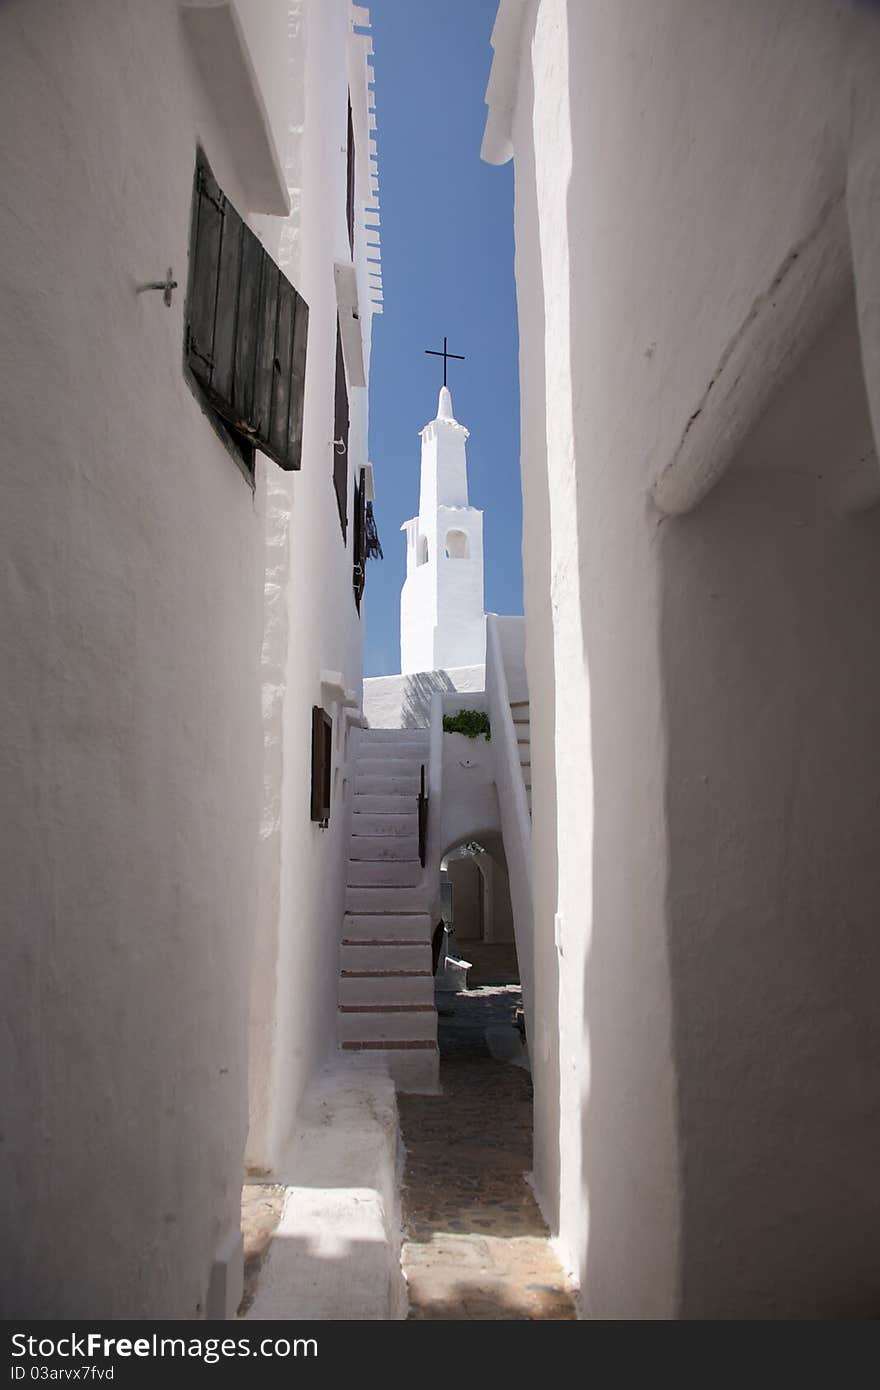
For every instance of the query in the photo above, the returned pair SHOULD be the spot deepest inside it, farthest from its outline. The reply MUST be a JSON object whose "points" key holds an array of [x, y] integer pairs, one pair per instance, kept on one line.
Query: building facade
{"points": [[189, 276], [697, 198]]}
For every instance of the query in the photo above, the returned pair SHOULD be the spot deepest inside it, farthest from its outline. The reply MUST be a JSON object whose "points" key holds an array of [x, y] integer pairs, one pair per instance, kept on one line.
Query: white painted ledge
{"points": [[345, 277], [333, 685], [497, 146], [336, 1253], [218, 41], [784, 321]]}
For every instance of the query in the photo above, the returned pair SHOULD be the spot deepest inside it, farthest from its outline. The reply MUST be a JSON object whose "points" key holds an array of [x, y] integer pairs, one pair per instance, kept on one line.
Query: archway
{"points": [[477, 892], [457, 547]]}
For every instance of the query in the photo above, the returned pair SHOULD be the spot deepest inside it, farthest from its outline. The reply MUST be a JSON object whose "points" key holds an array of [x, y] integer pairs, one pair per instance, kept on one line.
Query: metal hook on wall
{"points": [[168, 285]]}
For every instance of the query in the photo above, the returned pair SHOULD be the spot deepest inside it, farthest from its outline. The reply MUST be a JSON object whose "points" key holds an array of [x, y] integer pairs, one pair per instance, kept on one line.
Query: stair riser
{"points": [[414, 927], [413, 1070], [391, 873], [394, 957], [387, 1027], [386, 786], [386, 900], [392, 989], [381, 804], [369, 826], [384, 847]]}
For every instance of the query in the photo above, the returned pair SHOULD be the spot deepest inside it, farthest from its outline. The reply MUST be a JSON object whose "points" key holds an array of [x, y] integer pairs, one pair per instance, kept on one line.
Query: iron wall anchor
{"points": [[168, 285]]}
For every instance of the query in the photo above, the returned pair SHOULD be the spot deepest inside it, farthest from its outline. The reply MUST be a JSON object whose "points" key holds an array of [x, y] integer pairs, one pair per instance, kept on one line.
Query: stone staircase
{"points": [[519, 710], [386, 985]]}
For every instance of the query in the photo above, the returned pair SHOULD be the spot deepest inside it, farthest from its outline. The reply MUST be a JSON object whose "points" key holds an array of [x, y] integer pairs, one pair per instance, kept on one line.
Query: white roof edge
{"points": [[361, 75], [220, 46], [497, 146]]}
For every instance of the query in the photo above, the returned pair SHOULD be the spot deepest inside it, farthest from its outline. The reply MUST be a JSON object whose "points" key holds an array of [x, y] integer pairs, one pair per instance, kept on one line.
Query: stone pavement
{"points": [[475, 1243]]}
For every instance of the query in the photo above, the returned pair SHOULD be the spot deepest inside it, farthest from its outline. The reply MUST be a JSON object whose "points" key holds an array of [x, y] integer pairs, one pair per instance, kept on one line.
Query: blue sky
{"points": [[447, 267]]}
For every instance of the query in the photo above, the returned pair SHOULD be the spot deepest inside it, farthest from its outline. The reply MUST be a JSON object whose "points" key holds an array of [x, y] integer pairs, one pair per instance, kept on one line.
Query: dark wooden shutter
{"points": [[359, 540], [349, 186], [322, 759], [246, 327], [340, 436]]}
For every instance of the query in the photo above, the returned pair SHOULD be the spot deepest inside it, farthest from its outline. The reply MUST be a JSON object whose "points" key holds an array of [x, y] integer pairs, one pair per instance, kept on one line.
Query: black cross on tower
{"points": [[432, 352]]}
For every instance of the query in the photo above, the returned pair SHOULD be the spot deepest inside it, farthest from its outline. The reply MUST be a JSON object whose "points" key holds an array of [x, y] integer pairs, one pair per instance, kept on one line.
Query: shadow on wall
{"points": [[729, 1000], [772, 681], [416, 702]]}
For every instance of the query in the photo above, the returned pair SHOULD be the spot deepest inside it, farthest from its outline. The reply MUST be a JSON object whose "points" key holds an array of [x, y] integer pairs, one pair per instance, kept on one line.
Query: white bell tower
{"points": [[442, 622]]}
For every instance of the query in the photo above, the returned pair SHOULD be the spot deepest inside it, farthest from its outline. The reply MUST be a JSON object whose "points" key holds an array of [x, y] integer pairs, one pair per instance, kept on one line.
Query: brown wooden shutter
{"points": [[322, 760], [246, 327], [359, 541], [340, 436], [205, 237]]}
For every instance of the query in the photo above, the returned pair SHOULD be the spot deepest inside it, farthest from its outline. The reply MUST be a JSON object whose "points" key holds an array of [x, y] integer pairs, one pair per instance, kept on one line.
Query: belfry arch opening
{"points": [[457, 545]]}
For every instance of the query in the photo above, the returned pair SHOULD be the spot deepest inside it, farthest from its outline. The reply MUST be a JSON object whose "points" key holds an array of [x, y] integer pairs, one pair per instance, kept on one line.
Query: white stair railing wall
{"points": [[516, 824]]}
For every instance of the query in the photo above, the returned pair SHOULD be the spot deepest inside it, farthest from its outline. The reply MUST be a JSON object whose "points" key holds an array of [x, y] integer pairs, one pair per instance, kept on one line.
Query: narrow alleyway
{"points": [[475, 1245]]}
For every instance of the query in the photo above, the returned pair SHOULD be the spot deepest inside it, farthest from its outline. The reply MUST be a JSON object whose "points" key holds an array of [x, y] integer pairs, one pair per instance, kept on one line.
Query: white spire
{"points": [[442, 614]]}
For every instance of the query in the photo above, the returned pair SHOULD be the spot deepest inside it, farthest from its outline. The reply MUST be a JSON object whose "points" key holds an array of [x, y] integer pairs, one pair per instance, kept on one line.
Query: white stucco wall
{"points": [[468, 805], [312, 625], [404, 702], [506, 681], [669, 166], [130, 643], [157, 852]]}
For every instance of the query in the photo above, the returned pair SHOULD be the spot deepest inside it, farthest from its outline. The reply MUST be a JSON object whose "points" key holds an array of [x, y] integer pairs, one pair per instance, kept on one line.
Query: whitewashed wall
{"points": [[704, 785], [312, 625], [134, 742], [404, 702], [131, 630]]}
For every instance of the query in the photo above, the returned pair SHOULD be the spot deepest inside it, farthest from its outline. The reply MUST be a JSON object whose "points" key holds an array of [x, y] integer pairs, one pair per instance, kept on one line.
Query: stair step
{"points": [[390, 1024], [386, 899], [386, 926], [413, 1067], [359, 956], [384, 804], [374, 785], [387, 824], [372, 847], [369, 766], [390, 873], [383, 989]]}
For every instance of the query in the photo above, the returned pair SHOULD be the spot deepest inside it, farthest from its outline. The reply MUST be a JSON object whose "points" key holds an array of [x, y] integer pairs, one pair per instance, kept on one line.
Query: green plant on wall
{"points": [[470, 722]]}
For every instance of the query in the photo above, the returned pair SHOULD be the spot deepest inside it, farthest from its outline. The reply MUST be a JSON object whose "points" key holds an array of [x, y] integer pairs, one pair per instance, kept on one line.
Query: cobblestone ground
{"points": [[475, 1245]]}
